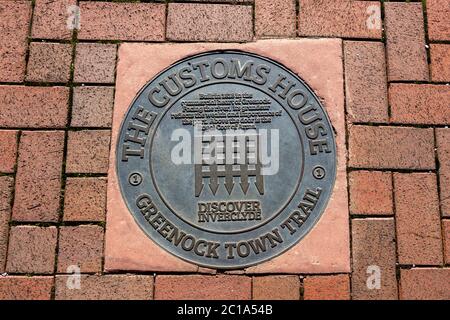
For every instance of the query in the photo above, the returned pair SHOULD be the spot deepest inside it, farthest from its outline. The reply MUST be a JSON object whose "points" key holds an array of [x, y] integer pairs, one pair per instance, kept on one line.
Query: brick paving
{"points": [[57, 89]]}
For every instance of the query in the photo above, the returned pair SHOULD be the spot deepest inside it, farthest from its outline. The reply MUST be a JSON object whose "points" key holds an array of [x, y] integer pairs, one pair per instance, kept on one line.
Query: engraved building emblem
{"points": [[244, 165]]}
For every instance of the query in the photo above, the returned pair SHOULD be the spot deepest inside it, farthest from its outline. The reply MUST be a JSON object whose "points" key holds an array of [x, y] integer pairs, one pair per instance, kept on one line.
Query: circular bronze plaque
{"points": [[226, 159]]}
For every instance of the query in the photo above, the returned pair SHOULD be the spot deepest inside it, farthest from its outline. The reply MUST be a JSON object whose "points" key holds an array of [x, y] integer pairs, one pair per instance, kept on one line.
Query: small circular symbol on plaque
{"points": [[219, 149], [135, 179], [319, 172]]}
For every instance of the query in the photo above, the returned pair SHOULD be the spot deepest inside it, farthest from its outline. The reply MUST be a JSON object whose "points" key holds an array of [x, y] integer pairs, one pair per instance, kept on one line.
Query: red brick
{"points": [[425, 284], [6, 189], [49, 62], [14, 23], [199, 287], [327, 287], [108, 287], [440, 62], [275, 18], [31, 250], [88, 151], [85, 199], [373, 246], [122, 21], [95, 63], [227, 1], [406, 53], [8, 147], [25, 288], [40, 107], [92, 107], [38, 179], [438, 12], [420, 103], [347, 18], [446, 232], [443, 149], [370, 192], [276, 288], [209, 22], [365, 81], [50, 19], [419, 237], [391, 147], [81, 246]]}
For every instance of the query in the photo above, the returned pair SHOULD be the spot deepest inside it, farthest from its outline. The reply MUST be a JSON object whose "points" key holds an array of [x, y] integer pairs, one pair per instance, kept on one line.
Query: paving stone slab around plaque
{"points": [[318, 62]]}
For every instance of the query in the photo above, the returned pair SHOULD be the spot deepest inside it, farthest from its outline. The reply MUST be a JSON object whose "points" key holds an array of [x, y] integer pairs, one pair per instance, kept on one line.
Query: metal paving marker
{"points": [[226, 159]]}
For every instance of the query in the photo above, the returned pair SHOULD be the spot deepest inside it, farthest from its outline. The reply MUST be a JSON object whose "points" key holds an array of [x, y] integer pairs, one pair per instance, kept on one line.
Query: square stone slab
{"points": [[318, 62]]}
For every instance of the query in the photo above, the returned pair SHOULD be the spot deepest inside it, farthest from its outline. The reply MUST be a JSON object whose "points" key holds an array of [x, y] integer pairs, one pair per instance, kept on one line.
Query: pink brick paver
{"points": [[8, 145], [87, 151], [26, 288], [32, 250], [420, 104], [344, 18], [92, 107], [38, 179], [443, 152], [122, 21], [425, 284], [41, 107], [365, 82], [49, 62], [335, 287], [80, 246], [275, 18], [14, 24], [438, 12], [371, 193], [85, 199], [391, 147], [374, 253], [440, 62], [6, 192], [95, 63], [196, 287], [276, 288], [446, 232], [419, 235], [106, 287], [51, 19], [209, 22], [405, 42]]}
